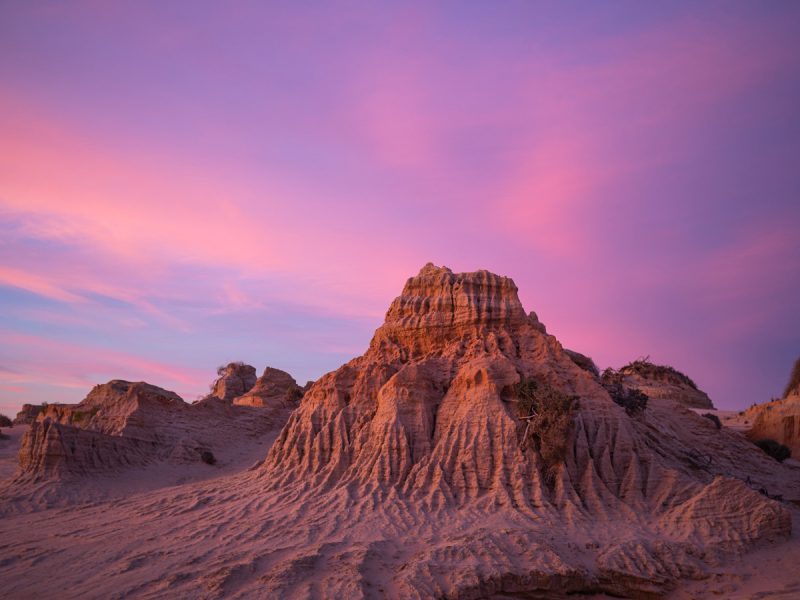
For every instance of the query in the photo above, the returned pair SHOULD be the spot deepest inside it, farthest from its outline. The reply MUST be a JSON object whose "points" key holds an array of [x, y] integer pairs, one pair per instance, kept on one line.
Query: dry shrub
{"points": [[632, 400], [294, 394], [794, 380], [714, 419], [5, 421], [583, 361], [550, 426], [645, 368]]}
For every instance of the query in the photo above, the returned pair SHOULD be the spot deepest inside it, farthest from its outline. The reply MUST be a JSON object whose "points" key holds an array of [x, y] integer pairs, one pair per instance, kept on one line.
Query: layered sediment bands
{"points": [[51, 450]]}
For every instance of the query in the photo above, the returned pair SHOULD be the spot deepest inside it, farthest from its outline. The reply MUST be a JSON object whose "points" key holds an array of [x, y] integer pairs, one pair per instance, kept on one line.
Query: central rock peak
{"points": [[438, 306]]}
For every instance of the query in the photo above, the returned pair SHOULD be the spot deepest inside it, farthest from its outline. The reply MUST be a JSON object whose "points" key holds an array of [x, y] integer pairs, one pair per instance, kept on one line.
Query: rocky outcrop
{"points": [[660, 382], [126, 424], [778, 420], [234, 379], [431, 420], [28, 414], [273, 388], [583, 361]]}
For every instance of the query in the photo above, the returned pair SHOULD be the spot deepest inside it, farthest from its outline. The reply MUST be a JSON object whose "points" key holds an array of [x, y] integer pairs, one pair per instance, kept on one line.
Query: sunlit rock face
{"points": [[122, 424], [273, 388], [427, 421], [778, 420]]}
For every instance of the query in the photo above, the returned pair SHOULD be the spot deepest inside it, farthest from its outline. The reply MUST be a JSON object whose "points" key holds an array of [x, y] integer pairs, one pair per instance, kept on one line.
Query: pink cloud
{"points": [[37, 359]]}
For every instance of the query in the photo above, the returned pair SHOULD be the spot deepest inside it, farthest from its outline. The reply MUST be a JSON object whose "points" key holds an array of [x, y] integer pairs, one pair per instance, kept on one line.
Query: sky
{"points": [[184, 184]]}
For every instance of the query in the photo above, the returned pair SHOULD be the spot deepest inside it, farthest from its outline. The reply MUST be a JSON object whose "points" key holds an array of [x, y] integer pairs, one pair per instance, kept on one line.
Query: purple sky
{"points": [[186, 184]]}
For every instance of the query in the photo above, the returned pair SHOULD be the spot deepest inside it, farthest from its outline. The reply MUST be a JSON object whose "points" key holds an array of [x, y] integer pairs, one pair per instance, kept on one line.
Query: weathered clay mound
{"points": [[123, 424], [430, 420], [659, 381], [273, 388]]}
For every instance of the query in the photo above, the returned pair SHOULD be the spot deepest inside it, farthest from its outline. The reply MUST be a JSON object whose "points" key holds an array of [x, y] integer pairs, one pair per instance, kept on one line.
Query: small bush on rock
{"points": [[714, 419], [549, 413], [645, 368], [772, 448], [632, 400], [5, 421], [294, 394], [208, 457], [794, 379]]}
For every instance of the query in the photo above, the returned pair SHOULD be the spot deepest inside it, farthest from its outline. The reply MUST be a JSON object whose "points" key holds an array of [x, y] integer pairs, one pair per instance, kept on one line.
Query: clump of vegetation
{"points": [[645, 368], [294, 394], [774, 449], [632, 400], [794, 380], [5, 421], [79, 415], [208, 457], [583, 361], [714, 419], [549, 414], [222, 368]]}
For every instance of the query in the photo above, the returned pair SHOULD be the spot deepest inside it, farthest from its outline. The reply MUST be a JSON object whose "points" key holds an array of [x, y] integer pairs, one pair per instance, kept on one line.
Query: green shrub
{"points": [[632, 400], [550, 414], [774, 449], [714, 419]]}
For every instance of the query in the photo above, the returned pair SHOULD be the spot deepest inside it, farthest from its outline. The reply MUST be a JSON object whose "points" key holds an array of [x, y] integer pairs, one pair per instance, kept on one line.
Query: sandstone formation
{"points": [[273, 388], [234, 379], [661, 382], [122, 424], [426, 427], [778, 420], [28, 414], [465, 455]]}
